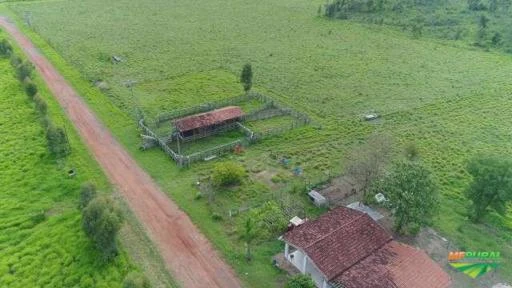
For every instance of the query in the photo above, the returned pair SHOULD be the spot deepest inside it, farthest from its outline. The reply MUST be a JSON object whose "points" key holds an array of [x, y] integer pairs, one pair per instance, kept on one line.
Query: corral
{"points": [[181, 131]]}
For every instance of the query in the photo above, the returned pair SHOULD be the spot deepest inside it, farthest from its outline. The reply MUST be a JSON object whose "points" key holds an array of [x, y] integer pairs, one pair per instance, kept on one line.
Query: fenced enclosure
{"points": [[184, 150]]}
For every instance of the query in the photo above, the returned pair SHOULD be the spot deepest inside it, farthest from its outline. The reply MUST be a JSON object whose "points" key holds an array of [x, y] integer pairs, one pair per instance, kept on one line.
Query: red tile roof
{"points": [[338, 239], [210, 118], [395, 265], [353, 251]]}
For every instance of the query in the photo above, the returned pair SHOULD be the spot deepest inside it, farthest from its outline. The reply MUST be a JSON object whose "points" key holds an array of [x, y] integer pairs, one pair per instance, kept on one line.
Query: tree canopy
{"points": [[102, 221], [246, 77], [491, 186], [413, 196]]}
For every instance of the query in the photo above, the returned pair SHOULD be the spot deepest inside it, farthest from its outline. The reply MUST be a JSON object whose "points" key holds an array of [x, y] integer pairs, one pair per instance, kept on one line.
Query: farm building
{"points": [[203, 124], [346, 248]]}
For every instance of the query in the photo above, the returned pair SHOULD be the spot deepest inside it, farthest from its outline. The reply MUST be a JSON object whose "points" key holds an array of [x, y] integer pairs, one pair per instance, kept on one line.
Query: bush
{"points": [[15, 60], [57, 142], [30, 87], [40, 105], [269, 220], [228, 173], [411, 151], [87, 194], [5, 48], [101, 221], [23, 70], [300, 281], [135, 280]]}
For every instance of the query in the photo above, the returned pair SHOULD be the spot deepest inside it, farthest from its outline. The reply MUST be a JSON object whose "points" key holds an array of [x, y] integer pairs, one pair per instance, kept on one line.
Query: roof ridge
{"points": [[335, 230]]}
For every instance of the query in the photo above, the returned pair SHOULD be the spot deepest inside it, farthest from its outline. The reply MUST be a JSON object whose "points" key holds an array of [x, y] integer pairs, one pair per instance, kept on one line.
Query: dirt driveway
{"points": [[188, 255]]}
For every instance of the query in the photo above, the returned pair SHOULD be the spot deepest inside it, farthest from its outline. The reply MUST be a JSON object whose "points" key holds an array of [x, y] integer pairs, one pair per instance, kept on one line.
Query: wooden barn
{"points": [[204, 124]]}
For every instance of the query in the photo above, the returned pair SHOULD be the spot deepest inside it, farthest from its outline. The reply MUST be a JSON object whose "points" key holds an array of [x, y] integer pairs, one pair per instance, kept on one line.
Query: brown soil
{"points": [[188, 255]]}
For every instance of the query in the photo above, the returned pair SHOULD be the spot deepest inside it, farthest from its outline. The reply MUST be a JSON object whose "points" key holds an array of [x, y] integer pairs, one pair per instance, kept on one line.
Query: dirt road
{"points": [[186, 252]]}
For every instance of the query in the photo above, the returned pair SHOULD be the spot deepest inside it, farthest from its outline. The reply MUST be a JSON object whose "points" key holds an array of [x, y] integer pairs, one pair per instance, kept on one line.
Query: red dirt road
{"points": [[188, 255]]}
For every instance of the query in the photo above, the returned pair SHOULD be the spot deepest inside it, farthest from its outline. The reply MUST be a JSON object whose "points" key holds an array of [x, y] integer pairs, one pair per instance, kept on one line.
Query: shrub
{"points": [[23, 69], [87, 194], [101, 221], [30, 87], [411, 151], [5, 48], [300, 281], [228, 173], [40, 104], [269, 220], [246, 77], [57, 142], [135, 280], [15, 60]]}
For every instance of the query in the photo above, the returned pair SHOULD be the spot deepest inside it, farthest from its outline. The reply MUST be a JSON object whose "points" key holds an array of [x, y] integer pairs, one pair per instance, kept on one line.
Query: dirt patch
{"points": [[341, 191], [186, 252]]}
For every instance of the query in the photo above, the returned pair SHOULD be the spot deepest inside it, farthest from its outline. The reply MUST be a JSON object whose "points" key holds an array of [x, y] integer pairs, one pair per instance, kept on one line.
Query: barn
{"points": [[204, 124]]}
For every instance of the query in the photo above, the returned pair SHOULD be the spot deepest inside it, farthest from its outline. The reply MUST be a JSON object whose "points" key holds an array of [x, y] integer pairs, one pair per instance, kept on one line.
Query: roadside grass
{"points": [[41, 239], [452, 102]]}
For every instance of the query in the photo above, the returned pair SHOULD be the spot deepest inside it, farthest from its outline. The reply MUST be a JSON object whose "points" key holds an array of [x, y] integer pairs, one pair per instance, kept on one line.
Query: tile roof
{"points": [[352, 251], [338, 239], [394, 265], [208, 118]]}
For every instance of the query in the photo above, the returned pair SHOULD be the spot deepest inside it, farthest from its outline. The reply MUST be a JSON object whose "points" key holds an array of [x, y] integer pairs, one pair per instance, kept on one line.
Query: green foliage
{"points": [[228, 173], [248, 236], [41, 241], [5, 48], [491, 186], [246, 77], [101, 221], [135, 280], [444, 97], [41, 105], [23, 69], [30, 87], [413, 196], [57, 142], [268, 221], [87, 194], [300, 281]]}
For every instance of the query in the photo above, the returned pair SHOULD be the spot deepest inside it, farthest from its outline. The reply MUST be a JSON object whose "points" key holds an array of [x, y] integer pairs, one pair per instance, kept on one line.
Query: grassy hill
{"points": [[451, 100]]}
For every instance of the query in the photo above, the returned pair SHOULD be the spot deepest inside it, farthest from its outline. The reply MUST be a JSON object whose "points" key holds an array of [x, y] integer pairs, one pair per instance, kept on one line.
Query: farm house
{"points": [[347, 248], [205, 124]]}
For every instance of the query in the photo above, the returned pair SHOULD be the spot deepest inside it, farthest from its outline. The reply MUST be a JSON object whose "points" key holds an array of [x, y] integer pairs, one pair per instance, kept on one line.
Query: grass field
{"points": [[42, 243], [451, 101]]}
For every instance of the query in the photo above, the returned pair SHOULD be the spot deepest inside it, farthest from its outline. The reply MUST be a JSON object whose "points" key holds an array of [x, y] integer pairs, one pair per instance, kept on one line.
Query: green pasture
{"points": [[451, 101], [41, 240]]}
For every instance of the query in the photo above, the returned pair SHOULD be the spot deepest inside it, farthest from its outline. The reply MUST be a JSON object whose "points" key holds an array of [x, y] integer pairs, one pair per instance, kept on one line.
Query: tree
{"points": [[366, 163], [413, 196], [57, 142], [5, 48], [300, 281], [249, 234], [101, 221], [496, 39], [87, 194], [246, 77], [227, 173], [491, 186], [483, 21]]}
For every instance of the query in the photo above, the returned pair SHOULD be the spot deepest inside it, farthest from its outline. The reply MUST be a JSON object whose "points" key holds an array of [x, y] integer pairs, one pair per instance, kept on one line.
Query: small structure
{"points": [[346, 248], [317, 198], [376, 216], [204, 124]]}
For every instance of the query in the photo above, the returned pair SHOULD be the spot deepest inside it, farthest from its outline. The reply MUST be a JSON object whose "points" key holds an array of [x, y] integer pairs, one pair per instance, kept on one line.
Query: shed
{"points": [[317, 198], [204, 123]]}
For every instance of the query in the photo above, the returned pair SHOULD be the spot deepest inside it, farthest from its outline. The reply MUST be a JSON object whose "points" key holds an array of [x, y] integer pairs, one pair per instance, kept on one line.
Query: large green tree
{"points": [[491, 186], [413, 196], [102, 220]]}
